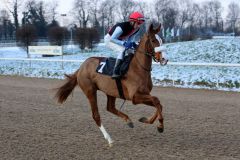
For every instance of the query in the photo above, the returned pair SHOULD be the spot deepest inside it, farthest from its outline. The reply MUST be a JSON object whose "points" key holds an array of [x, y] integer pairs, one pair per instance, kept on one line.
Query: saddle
{"points": [[106, 68], [107, 64]]}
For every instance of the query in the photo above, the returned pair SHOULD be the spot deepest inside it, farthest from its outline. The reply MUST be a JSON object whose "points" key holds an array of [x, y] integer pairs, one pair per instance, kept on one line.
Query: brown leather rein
{"points": [[149, 54]]}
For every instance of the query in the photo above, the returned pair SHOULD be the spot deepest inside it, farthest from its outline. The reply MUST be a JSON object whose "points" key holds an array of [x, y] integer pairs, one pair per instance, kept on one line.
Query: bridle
{"points": [[151, 54], [157, 53], [144, 68]]}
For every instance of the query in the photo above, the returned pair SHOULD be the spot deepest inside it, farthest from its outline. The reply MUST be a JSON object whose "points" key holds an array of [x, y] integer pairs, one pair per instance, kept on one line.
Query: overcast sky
{"points": [[66, 5]]}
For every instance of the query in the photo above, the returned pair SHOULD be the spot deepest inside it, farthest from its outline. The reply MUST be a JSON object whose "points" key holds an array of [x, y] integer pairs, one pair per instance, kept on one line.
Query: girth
{"points": [[120, 88]]}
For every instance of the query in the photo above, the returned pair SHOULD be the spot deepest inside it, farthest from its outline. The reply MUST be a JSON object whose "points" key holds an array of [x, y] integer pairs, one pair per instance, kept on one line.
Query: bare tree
{"points": [[170, 17], [144, 8], [26, 36], [94, 9], [56, 35], [216, 9], [3, 15], [160, 7], [4, 21], [184, 12], [166, 12], [52, 10], [86, 37], [126, 7], [200, 20], [212, 14], [81, 12], [13, 7], [107, 9], [36, 15], [194, 18], [206, 12], [233, 14]]}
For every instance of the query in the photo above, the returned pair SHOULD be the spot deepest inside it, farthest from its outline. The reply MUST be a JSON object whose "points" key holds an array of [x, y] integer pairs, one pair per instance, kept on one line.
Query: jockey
{"points": [[121, 36]]}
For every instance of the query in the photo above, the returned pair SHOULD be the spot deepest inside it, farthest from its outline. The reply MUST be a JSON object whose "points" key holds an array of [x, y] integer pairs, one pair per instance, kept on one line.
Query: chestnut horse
{"points": [[136, 84]]}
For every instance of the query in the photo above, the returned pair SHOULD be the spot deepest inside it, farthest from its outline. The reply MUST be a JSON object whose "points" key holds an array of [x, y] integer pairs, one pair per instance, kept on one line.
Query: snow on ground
{"points": [[207, 51]]}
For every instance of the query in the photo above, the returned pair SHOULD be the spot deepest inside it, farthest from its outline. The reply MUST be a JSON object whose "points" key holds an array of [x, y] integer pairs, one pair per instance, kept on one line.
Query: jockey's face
{"points": [[137, 25]]}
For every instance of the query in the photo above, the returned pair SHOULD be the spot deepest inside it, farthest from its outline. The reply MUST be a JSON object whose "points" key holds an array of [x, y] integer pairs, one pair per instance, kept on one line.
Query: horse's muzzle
{"points": [[163, 62]]}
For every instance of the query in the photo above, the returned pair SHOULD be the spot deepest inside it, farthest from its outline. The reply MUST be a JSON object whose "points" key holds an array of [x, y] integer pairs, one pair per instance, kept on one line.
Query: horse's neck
{"points": [[143, 61]]}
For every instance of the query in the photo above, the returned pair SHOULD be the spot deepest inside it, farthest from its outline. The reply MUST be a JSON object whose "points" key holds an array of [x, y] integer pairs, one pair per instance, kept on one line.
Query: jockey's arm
{"points": [[116, 34]]}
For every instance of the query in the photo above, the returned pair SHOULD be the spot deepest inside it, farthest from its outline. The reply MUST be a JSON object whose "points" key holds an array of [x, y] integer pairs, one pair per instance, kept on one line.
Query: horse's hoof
{"points": [[110, 145], [130, 124], [160, 130], [143, 119]]}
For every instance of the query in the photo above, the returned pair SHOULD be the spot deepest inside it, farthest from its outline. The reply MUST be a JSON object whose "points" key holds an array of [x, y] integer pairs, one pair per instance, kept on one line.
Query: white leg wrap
{"points": [[106, 135]]}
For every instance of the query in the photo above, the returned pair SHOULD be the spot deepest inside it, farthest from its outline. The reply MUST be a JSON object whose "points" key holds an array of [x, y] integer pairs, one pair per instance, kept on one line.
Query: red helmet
{"points": [[136, 17]]}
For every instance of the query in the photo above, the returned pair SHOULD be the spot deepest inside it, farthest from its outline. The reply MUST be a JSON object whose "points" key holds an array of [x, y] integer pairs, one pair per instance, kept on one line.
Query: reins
{"points": [[151, 55], [146, 69]]}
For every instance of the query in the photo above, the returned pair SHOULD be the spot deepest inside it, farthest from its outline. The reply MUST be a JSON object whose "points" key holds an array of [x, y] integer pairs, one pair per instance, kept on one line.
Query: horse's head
{"points": [[153, 44]]}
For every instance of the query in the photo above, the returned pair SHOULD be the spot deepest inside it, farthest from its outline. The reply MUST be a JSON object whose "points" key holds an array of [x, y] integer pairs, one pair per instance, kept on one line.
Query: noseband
{"points": [[147, 53], [151, 54], [155, 52]]}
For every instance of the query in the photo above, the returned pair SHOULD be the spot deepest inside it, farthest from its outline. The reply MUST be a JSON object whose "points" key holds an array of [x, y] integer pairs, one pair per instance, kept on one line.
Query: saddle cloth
{"points": [[106, 65]]}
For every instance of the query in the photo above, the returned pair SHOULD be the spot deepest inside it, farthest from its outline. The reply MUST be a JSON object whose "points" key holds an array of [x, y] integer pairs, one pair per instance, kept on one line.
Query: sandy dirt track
{"points": [[199, 124]]}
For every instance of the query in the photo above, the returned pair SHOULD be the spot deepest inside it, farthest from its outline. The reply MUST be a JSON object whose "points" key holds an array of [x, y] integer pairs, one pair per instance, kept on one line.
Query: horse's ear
{"points": [[158, 28], [150, 29]]}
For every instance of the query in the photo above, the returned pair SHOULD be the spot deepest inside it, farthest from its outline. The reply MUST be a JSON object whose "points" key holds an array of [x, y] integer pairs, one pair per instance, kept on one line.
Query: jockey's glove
{"points": [[129, 45]]}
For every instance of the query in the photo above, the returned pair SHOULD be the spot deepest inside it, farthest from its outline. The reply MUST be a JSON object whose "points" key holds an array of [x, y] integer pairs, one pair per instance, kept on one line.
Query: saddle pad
{"points": [[106, 66]]}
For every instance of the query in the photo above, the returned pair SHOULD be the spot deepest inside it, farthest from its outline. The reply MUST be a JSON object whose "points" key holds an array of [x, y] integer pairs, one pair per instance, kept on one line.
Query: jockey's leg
{"points": [[116, 69], [118, 63]]}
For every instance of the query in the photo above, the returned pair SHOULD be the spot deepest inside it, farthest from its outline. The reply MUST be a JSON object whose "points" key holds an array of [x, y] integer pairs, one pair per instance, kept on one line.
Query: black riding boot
{"points": [[116, 69]]}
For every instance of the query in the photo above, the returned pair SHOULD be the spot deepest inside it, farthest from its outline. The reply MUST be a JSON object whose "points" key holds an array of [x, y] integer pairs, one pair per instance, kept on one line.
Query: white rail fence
{"points": [[31, 61], [81, 61]]}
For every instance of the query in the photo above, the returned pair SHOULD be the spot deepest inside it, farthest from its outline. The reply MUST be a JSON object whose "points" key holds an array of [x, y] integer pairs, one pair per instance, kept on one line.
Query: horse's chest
{"points": [[140, 84]]}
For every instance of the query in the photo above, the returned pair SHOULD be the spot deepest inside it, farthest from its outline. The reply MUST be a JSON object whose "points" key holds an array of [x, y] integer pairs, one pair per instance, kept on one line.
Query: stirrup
{"points": [[115, 76]]}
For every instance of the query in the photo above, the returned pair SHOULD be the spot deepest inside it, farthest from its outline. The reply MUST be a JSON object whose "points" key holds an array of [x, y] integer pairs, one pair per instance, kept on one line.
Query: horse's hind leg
{"points": [[91, 94], [111, 108]]}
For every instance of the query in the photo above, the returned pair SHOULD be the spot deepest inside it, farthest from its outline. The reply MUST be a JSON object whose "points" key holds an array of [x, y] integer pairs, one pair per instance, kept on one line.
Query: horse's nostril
{"points": [[163, 61]]}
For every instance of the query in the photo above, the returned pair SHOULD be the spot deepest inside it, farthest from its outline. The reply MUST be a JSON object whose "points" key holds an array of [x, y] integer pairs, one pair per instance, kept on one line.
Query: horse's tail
{"points": [[65, 90]]}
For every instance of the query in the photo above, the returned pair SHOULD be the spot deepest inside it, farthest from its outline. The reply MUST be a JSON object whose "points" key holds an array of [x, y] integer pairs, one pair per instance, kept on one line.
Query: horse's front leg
{"points": [[111, 108], [151, 101]]}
